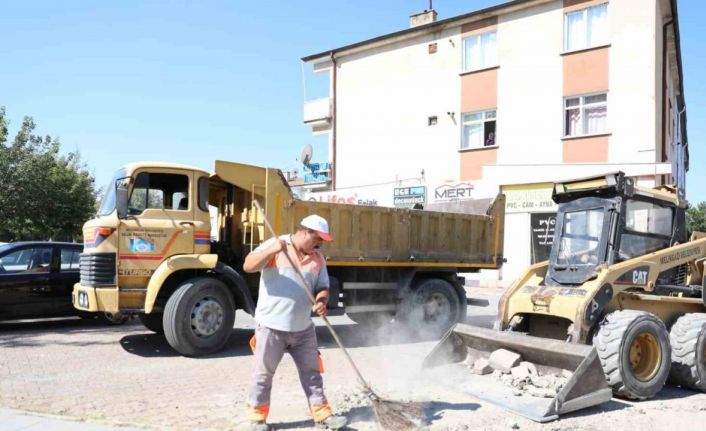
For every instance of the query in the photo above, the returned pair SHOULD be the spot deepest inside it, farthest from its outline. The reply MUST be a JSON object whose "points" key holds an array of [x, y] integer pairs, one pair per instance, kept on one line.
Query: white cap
{"points": [[318, 224]]}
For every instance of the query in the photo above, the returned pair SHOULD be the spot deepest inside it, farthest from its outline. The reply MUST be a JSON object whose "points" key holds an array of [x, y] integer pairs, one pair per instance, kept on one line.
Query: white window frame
{"points": [[589, 43], [487, 115], [483, 54], [582, 106]]}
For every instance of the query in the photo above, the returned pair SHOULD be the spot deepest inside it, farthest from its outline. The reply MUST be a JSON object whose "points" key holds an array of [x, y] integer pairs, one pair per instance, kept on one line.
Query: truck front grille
{"points": [[97, 269]]}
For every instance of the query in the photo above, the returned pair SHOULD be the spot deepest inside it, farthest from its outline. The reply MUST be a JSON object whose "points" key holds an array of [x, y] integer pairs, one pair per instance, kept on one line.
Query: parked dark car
{"points": [[37, 278]]}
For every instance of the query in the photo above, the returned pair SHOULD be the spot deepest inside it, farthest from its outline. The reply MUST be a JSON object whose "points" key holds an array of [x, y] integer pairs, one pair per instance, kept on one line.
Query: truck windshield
{"points": [[108, 203], [580, 237]]}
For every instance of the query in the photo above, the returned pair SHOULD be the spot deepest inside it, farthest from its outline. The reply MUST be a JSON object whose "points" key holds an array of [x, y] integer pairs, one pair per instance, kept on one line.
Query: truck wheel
{"points": [[688, 339], [199, 316], [633, 347], [113, 319], [434, 306], [152, 321]]}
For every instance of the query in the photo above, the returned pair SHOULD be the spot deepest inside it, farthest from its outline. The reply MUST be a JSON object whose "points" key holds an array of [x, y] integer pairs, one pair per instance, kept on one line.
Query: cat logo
{"points": [[639, 277]]}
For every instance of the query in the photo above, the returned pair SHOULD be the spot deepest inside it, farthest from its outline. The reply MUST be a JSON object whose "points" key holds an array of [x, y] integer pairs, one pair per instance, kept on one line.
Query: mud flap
{"points": [[586, 387]]}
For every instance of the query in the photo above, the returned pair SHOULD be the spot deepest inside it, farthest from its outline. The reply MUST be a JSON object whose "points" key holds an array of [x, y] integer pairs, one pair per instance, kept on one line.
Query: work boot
{"points": [[333, 422], [259, 426]]}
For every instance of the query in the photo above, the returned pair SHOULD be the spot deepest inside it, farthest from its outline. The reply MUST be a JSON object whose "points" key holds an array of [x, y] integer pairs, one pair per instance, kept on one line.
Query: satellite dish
{"points": [[307, 152]]}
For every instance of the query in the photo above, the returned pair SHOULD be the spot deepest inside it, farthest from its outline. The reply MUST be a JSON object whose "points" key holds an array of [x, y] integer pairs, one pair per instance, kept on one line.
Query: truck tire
{"points": [[199, 316], [153, 322], [633, 347], [688, 339], [433, 306]]}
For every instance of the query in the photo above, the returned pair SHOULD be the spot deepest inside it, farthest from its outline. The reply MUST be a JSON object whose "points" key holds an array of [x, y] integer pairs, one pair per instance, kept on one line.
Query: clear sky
{"points": [[191, 82]]}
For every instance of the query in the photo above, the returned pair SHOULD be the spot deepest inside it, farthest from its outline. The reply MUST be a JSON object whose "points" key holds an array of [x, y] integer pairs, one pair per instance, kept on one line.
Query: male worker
{"points": [[283, 316]]}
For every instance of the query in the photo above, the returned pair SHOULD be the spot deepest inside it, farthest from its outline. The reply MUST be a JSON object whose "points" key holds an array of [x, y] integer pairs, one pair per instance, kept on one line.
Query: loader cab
{"points": [[608, 220]]}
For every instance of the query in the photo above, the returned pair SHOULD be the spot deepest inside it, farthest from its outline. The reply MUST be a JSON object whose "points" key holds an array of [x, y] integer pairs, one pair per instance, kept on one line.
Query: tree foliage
{"points": [[696, 218], [43, 194]]}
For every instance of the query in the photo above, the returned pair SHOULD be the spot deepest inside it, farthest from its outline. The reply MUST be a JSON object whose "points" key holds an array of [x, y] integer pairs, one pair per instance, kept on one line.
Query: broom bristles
{"points": [[398, 416]]}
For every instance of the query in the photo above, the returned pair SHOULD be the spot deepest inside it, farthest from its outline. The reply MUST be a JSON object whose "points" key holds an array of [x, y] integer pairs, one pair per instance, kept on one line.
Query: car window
{"points": [[37, 259], [69, 259]]}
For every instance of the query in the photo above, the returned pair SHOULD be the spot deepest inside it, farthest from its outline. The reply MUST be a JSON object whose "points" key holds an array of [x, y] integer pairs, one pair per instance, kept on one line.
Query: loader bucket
{"points": [[586, 387]]}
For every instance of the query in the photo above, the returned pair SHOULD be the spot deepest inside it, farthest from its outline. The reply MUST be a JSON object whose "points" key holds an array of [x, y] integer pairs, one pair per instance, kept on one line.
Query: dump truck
{"points": [[620, 303], [149, 252]]}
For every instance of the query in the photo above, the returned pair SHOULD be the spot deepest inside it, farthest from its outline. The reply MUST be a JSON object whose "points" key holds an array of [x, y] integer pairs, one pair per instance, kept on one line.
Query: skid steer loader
{"points": [[620, 302]]}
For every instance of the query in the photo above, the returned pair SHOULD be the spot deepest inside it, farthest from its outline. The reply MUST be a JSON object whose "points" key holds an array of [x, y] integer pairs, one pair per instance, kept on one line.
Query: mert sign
{"points": [[448, 192]]}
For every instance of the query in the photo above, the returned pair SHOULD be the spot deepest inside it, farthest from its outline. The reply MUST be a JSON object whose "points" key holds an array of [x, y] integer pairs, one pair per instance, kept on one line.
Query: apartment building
{"points": [[508, 98]]}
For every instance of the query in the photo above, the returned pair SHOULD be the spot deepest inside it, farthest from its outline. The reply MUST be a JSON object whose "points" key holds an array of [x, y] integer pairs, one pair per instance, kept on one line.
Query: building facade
{"points": [[508, 98]]}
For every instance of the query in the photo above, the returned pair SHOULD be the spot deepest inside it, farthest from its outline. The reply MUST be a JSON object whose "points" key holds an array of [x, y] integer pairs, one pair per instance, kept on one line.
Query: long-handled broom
{"points": [[390, 415]]}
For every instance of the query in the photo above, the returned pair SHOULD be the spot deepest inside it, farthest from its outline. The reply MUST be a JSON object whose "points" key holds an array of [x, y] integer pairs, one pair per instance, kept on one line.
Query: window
{"points": [[203, 193], [164, 191], [580, 237], [648, 228], [647, 217], [585, 115], [479, 51], [478, 129], [69, 259], [586, 28], [27, 260]]}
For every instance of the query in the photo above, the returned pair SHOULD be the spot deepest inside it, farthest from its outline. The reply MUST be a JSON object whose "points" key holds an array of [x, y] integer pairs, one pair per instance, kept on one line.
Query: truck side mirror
{"points": [[121, 197]]}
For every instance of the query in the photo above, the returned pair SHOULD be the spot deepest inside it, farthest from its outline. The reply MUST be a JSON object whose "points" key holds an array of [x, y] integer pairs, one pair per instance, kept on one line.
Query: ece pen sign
{"points": [[406, 197]]}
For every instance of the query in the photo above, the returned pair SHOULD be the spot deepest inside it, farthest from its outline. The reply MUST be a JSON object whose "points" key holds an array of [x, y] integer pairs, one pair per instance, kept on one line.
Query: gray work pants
{"points": [[270, 346]]}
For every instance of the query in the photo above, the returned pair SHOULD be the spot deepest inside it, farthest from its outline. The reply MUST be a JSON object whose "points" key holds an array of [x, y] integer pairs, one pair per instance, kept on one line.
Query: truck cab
{"points": [[150, 240]]}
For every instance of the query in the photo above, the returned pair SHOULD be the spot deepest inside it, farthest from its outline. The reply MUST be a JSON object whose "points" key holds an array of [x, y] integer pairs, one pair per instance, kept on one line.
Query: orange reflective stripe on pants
{"points": [[321, 412], [258, 413]]}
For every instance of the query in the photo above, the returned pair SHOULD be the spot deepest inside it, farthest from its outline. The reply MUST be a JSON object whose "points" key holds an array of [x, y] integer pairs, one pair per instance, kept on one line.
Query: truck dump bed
{"points": [[377, 234], [364, 235]]}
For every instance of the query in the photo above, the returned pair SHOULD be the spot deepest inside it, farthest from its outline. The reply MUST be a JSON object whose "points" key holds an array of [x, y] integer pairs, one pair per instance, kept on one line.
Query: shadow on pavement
{"points": [[434, 410], [27, 333], [150, 345], [611, 406]]}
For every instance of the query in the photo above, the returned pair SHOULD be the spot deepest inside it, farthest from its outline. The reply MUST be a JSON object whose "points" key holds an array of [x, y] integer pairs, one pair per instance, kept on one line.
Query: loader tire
{"points": [[633, 347], [153, 322], [199, 316], [688, 339], [434, 306]]}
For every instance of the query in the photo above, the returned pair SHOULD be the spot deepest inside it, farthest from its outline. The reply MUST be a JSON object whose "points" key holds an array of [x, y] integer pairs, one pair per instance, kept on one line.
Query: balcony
{"points": [[317, 175], [317, 114]]}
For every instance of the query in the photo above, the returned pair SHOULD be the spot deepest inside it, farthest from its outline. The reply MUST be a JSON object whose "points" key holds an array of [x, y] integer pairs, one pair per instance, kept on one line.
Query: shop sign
{"points": [[407, 197], [529, 198], [449, 192], [542, 231]]}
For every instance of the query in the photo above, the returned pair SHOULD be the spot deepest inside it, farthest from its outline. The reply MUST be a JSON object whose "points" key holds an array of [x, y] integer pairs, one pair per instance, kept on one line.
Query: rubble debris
{"points": [[504, 360], [481, 366], [540, 392]]}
